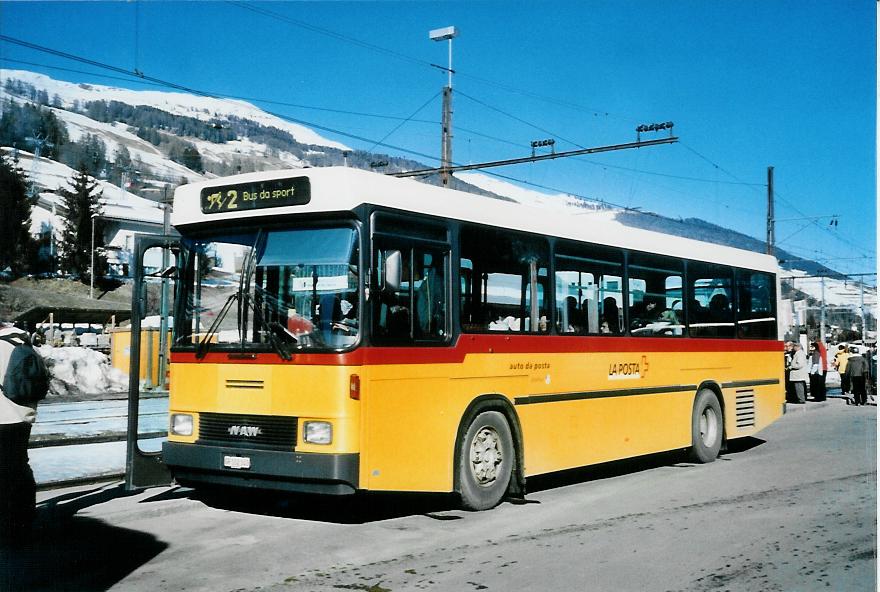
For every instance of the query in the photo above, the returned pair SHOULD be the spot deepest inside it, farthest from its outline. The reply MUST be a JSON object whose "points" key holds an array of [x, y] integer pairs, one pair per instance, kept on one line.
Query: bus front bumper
{"points": [[200, 464]]}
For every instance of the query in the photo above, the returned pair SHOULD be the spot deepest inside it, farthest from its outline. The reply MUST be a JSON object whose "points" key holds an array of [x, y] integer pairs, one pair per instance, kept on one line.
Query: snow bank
{"points": [[79, 370]]}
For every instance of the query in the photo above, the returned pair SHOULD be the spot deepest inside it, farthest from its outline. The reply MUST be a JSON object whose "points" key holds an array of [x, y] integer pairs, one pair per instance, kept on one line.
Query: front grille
{"points": [[247, 431], [745, 409]]}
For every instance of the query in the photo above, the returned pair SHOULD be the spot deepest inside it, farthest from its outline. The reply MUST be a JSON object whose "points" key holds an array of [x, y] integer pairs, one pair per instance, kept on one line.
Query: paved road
{"points": [[792, 510]]}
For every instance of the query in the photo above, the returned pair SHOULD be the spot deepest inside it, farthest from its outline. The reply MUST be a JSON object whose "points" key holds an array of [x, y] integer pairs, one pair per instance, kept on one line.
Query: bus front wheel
{"points": [[707, 427], [485, 461]]}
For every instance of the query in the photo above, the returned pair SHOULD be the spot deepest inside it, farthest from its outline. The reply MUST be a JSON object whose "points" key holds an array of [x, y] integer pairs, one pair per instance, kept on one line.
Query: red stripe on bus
{"points": [[481, 344]]}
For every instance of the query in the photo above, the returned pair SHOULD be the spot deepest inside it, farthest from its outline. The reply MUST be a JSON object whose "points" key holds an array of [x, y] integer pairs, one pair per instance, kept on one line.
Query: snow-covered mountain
{"points": [[176, 103]]}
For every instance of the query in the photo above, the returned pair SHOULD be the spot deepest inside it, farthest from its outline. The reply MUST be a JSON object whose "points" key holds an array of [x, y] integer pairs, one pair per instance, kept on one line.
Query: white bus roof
{"points": [[340, 189]]}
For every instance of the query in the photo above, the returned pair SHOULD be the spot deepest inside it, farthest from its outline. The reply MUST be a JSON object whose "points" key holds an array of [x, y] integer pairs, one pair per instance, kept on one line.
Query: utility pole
{"points": [[862, 310], [446, 141], [447, 34], [771, 238]]}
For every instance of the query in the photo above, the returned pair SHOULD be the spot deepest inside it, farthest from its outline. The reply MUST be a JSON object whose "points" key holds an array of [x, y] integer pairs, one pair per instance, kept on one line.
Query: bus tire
{"points": [[707, 427], [486, 458]]}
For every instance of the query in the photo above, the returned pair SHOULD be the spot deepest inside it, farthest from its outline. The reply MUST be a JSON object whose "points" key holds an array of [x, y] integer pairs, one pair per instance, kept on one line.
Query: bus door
{"points": [[155, 275]]}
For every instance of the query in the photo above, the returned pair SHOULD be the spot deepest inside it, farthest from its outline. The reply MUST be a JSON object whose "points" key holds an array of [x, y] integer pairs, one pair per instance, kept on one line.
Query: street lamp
{"points": [[446, 34]]}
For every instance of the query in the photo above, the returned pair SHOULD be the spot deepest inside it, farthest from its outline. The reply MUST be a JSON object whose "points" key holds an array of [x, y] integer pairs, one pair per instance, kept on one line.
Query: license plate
{"points": [[236, 462]]}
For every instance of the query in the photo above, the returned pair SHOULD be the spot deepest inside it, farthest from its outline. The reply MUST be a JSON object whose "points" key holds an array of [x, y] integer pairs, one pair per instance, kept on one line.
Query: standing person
{"points": [[817, 381], [789, 352], [800, 371], [857, 371], [23, 382], [840, 359], [823, 357]]}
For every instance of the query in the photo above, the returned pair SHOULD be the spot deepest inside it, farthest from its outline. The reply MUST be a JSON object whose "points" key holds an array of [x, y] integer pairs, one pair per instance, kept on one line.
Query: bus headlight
{"points": [[318, 432], [181, 424]]}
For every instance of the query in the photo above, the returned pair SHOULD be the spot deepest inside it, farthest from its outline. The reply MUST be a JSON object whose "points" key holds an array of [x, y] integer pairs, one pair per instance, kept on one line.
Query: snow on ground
{"points": [[80, 370], [116, 134], [52, 175], [836, 292], [246, 148], [521, 194], [198, 107]]}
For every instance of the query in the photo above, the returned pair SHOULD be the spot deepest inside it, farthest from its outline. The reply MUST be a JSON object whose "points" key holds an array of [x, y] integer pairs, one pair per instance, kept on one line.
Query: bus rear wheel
{"points": [[485, 461], [707, 427]]}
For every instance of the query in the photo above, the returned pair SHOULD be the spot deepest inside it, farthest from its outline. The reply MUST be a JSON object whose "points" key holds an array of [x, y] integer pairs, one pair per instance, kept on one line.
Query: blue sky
{"points": [[749, 84]]}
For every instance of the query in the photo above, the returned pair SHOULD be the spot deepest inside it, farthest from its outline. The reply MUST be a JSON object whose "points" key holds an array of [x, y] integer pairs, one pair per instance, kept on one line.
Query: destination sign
{"points": [[274, 193]]}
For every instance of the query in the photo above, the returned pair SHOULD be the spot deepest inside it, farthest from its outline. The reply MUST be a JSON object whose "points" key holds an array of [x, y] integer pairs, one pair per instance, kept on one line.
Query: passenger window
{"points": [[655, 296], [710, 305], [504, 282], [756, 305], [589, 295], [412, 295]]}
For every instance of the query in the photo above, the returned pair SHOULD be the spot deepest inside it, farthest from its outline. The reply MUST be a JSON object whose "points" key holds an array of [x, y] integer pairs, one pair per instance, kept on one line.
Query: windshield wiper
{"points": [[244, 283], [202, 347], [274, 341]]}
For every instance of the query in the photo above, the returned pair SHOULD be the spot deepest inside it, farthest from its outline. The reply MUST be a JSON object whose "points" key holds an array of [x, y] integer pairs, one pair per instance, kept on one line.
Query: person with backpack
{"points": [[24, 381]]}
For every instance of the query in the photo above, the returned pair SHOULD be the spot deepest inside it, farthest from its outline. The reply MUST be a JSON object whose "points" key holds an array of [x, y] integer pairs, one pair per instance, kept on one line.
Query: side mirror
{"points": [[392, 271]]}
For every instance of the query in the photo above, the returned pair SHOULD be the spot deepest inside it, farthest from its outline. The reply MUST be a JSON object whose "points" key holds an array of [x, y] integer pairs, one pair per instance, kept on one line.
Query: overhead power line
{"points": [[327, 32], [408, 58], [135, 76], [519, 119], [201, 93], [404, 122], [814, 223]]}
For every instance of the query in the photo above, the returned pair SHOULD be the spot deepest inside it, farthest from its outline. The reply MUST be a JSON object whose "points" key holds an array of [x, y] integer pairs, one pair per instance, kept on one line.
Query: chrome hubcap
{"points": [[708, 427], [485, 456]]}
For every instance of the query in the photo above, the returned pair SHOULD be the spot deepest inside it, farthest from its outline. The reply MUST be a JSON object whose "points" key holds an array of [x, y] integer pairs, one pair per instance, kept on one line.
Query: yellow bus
{"points": [[338, 330]]}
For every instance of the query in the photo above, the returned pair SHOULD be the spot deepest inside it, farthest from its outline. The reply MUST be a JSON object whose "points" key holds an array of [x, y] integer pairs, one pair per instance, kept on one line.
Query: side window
{"points": [[655, 296], [756, 305], [589, 295], [412, 295], [710, 304], [504, 282]]}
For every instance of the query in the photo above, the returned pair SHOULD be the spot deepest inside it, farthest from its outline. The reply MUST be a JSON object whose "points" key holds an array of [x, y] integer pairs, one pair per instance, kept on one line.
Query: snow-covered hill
{"points": [[199, 107]]}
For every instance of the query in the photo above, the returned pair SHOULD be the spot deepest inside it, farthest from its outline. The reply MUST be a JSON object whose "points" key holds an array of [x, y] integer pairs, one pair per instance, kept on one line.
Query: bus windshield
{"points": [[269, 289]]}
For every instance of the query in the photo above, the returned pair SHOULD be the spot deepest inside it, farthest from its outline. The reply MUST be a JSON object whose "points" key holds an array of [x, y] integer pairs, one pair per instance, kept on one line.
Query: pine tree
{"points": [[121, 163], [15, 222], [81, 200]]}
